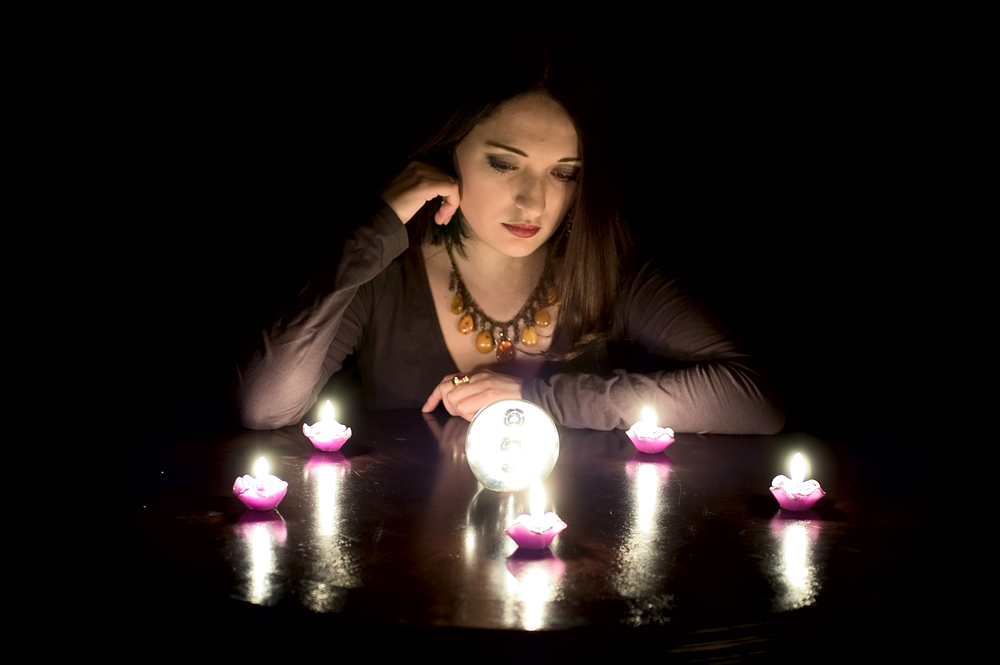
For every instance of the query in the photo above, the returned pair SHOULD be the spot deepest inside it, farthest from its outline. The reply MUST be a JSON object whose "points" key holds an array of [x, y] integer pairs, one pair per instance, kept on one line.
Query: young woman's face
{"points": [[518, 171]]}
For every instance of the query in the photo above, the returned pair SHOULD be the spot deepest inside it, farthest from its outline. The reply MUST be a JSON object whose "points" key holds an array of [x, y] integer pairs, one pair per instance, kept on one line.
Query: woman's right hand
{"points": [[417, 184]]}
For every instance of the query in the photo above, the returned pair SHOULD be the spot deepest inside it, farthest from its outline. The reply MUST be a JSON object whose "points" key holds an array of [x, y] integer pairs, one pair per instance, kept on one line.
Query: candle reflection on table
{"points": [[650, 477], [792, 568], [643, 554], [332, 569], [534, 578], [324, 473], [255, 553]]}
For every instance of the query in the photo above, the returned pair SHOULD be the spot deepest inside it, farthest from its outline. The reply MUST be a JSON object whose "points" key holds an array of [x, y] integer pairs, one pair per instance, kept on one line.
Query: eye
{"points": [[566, 176], [500, 166]]}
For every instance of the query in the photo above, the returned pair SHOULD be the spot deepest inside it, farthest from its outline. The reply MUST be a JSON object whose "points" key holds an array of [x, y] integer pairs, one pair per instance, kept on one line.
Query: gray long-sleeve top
{"points": [[376, 302]]}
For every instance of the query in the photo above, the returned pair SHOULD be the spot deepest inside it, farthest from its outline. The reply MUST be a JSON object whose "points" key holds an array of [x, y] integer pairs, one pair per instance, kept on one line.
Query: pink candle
{"points": [[261, 491], [794, 494], [327, 435], [536, 531], [646, 436]]}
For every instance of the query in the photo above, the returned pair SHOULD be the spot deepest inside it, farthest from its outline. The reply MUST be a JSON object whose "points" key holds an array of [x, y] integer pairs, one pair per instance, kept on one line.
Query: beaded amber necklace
{"points": [[499, 334]]}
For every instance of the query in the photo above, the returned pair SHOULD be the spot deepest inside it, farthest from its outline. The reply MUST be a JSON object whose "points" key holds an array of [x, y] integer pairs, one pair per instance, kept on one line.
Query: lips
{"points": [[523, 230]]}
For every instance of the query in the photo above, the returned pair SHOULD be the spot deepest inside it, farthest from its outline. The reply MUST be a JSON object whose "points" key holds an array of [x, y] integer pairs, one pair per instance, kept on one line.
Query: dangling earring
{"points": [[569, 224]]}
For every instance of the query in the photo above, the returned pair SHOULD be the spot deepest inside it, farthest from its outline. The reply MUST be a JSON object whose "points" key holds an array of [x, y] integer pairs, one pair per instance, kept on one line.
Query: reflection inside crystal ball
{"points": [[512, 458]]}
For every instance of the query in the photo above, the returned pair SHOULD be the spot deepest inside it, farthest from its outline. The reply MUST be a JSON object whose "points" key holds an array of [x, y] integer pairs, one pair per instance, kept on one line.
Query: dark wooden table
{"points": [[683, 555]]}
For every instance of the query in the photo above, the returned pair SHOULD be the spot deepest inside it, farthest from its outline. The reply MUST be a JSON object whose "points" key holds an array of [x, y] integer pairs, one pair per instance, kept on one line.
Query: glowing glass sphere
{"points": [[510, 443]]}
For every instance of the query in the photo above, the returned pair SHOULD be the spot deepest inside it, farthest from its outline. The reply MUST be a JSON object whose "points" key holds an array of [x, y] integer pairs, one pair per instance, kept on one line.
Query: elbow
{"points": [[258, 409], [254, 415], [772, 422], [768, 417], [764, 408], [260, 420]]}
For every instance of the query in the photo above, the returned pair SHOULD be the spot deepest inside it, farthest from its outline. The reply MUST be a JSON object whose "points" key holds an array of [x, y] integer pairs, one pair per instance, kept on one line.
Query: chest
{"points": [[473, 350]]}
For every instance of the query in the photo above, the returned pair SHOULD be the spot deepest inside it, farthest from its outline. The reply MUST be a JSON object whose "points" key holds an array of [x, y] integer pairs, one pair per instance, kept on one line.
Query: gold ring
{"points": [[459, 378]]}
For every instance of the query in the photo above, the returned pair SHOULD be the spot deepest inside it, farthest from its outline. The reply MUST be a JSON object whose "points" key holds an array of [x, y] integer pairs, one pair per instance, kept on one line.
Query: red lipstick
{"points": [[523, 230]]}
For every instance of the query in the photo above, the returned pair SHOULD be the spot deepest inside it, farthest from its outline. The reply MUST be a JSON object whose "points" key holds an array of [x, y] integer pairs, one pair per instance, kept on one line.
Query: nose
{"points": [[530, 195]]}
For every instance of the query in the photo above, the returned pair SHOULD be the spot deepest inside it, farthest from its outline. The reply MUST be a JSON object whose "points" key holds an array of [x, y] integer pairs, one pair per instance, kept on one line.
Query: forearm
{"points": [[288, 366], [288, 363], [723, 397]]}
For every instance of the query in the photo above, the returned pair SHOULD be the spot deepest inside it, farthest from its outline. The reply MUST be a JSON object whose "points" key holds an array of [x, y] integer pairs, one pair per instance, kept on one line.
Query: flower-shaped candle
{"points": [[536, 531], [647, 436], [261, 491], [327, 435], [794, 493]]}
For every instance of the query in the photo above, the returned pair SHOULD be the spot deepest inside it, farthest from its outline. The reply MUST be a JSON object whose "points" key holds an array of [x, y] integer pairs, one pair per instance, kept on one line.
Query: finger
{"points": [[434, 398], [468, 405], [448, 208], [485, 388], [432, 401], [441, 394], [447, 396], [449, 407], [415, 186], [427, 190], [467, 399]]}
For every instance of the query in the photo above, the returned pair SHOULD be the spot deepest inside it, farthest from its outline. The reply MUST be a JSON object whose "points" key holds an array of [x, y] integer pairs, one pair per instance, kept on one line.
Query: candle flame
{"points": [[536, 500], [260, 469], [326, 413], [798, 468], [648, 416]]}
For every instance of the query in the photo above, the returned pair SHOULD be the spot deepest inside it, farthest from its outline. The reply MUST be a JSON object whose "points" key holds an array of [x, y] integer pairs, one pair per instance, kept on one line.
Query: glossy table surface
{"points": [[684, 554]]}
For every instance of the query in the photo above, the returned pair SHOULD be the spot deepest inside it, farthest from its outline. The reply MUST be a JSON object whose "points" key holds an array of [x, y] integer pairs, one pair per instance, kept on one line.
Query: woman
{"points": [[496, 266]]}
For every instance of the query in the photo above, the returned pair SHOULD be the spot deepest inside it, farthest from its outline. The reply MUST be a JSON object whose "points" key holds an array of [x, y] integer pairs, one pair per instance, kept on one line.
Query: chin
{"points": [[519, 250]]}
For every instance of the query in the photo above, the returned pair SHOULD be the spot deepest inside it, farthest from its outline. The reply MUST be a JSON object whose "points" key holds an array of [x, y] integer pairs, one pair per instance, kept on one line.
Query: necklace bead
{"points": [[505, 351], [484, 342], [529, 336]]}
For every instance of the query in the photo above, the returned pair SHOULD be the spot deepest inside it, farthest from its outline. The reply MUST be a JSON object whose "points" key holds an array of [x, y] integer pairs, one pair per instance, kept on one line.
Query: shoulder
{"points": [[653, 291], [659, 313]]}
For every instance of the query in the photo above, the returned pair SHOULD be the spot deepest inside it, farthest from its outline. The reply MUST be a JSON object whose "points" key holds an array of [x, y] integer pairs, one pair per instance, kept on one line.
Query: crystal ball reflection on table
{"points": [[510, 443]]}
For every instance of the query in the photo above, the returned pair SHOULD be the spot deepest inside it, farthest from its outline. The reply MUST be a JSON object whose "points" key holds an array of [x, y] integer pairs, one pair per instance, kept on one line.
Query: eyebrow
{"points": [[523, 153]]}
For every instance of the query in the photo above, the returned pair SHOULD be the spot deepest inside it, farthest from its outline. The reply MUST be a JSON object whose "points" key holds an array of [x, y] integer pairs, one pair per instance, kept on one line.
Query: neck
{"points": [[500, 285], [484, 267]]}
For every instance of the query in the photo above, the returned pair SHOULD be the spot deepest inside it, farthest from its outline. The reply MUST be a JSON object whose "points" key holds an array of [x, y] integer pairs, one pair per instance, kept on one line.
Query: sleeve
{"points": [[714, 387], [289, 363]]}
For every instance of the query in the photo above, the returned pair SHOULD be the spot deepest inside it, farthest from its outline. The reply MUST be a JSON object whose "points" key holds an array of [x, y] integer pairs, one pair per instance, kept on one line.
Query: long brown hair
{"points": [[592, 255]]}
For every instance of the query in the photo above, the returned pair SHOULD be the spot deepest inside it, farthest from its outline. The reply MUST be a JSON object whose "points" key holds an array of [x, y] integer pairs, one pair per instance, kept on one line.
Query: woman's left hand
{"points": [[465, 399]]}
